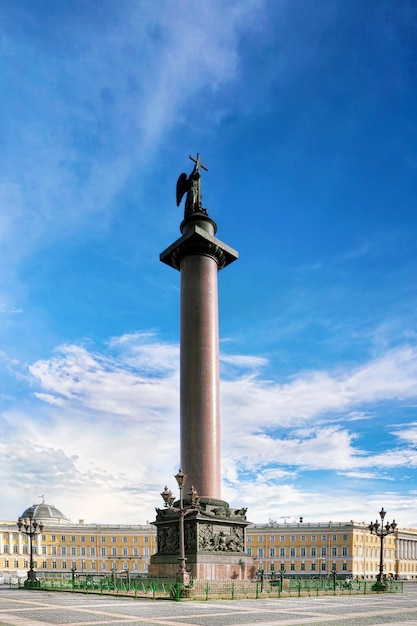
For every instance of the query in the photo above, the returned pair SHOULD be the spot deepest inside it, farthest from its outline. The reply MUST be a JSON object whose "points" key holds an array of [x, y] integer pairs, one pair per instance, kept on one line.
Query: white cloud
{"points": [[109, 424]]}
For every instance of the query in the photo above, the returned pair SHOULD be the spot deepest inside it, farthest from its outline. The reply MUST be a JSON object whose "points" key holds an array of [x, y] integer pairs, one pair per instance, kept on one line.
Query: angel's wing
{"points": [[182, 187]]}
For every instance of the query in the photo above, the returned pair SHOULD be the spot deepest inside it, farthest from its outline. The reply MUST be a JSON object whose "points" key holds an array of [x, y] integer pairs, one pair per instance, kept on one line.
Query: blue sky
{"points": [[305, 113]]}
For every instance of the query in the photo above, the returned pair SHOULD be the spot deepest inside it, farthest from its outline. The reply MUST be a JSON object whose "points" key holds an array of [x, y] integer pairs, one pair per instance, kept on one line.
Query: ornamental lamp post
{"points": [[182, 576], [382, 531], [31, 527]]}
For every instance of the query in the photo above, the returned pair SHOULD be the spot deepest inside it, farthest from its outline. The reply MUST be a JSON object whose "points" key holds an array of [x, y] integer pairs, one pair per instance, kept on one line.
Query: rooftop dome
{"points": [[46, 513]]}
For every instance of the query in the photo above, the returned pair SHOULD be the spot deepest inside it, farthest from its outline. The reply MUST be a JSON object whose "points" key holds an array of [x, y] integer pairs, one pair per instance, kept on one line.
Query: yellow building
{"points": [[63, 546], [320, 548], [297, 548]]}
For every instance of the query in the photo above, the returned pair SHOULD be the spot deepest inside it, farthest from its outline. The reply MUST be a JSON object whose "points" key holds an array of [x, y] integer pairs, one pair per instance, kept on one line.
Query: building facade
{"points": [[64, 546], [298, 549], [348, 548]]}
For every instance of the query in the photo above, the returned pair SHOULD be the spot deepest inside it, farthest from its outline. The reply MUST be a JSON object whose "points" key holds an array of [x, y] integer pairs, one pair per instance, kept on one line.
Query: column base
{"points": [[214, 543]]}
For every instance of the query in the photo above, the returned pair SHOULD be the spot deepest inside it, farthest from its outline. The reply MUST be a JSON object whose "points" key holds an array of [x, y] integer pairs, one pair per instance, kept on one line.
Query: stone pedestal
{"points": [[214, 537]]}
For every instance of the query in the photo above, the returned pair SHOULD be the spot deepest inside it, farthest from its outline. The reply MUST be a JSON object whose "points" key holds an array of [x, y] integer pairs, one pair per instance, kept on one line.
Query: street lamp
{"points": [[31, 527], [183, 576], [382, 531]]}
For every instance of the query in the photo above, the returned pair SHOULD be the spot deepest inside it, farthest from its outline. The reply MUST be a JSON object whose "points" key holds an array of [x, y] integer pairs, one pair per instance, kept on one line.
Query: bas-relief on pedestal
{"points": [[214, 532], [214, 542]]}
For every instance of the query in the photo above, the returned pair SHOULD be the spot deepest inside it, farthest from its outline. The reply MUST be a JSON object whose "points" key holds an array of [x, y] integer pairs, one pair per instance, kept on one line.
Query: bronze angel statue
{"points": [[191, 186]]}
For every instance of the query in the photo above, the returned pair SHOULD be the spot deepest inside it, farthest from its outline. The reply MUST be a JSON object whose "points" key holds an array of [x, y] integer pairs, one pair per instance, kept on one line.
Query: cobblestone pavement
{"points": [[37, 608]]}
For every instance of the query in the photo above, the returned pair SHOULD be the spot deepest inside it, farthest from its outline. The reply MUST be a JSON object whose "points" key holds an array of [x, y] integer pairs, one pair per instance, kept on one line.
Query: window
{"points": [[114, 551], [103, 551], [272, 538], [135, 566], [16, 563], [313, 537], [125, 565], [64, 550], [323, 537], [146, 551], [334, 551], [72, 537], [15, 548], [6, 562], [124, 539], [344, 551], [313, 567], [74, 551], [344, 567], [249, 551], [292, 537], [272, 552], [282, 538], [345, 538], [146, 539], [292, 567], [82, 538], [53, 550], [83, 551], [5, 548], [135, 552], [53, 564], [135, 539], [323, 567], [43, 537], [249, 539], [282, 567], [64, 565], [303, 537], [124, 551], [53, 538], [92, 552], [260, 538], [63, 538], [103, 539], [43, 564], [260, 552], [103, 565], [334, 537], [313, 551], [303, 567], [113, 539], [92, 540], [323, 551], [302, 551], [282, 552], [292, 551], [43, 549], [93, 565]]}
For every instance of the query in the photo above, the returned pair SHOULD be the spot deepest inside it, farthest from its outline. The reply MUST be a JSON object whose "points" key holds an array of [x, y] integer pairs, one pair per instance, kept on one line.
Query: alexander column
{"points": [[214, 533]]}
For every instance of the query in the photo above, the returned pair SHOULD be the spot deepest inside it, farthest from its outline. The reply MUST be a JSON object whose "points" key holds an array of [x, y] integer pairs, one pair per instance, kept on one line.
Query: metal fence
{"points": [[216, 589]]}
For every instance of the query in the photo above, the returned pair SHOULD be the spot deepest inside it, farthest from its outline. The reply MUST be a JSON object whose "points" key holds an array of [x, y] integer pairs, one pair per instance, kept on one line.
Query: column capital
{"points": [[196, 240]]}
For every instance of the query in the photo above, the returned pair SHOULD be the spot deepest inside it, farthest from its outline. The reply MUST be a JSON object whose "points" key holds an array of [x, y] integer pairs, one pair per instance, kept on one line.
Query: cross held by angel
{"points": [[190, 185]]}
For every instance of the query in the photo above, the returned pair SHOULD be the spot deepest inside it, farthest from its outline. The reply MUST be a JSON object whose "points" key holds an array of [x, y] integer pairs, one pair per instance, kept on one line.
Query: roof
{"points": [[45, 513]]}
